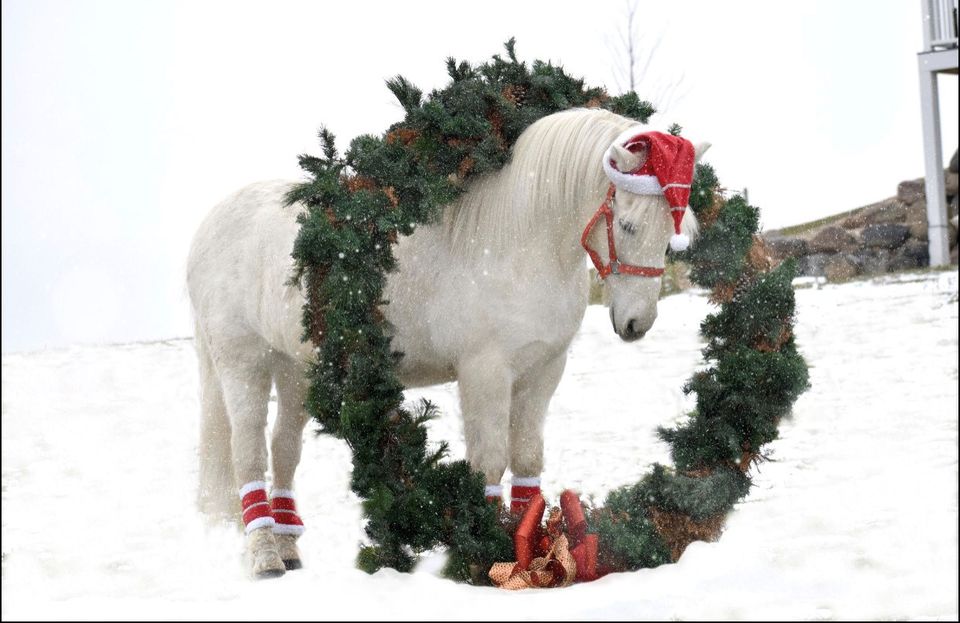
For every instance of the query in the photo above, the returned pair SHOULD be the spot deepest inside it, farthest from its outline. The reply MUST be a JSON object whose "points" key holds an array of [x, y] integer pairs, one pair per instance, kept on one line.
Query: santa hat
{"points": [[667, 171]]}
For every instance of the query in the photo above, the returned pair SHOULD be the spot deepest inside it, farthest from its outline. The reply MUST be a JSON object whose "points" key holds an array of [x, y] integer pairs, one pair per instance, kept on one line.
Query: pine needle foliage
{"points": [[356, 205], [755, 377]]}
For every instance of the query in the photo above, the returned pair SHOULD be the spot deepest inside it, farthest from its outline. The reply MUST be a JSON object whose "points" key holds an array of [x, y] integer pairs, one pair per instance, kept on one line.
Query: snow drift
{"points": [[854, 516]]}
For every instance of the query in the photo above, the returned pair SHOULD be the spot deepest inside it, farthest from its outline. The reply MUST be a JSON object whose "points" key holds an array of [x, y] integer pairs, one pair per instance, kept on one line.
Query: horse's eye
{"points": [[627, 226]]}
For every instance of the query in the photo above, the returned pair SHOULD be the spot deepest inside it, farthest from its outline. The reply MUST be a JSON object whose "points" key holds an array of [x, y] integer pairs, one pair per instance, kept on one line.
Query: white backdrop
{"points": [[124, 122]]}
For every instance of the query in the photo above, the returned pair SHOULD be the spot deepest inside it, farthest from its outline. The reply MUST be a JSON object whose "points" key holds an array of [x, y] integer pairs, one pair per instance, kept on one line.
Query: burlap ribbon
{"points": [[542, 573], [559, 564]]}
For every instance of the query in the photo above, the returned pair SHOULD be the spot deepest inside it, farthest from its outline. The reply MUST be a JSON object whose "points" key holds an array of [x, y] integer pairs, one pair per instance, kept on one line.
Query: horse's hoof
{"points": [[264, 559], [289, 552]]}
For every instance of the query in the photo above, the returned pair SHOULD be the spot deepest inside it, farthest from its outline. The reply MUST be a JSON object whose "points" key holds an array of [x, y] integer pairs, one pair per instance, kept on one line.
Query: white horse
{"points": [[490, 296]]}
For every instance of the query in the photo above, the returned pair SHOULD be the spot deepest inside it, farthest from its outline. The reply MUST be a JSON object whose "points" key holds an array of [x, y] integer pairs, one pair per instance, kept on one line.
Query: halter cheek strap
{"points": [[614, 267]]}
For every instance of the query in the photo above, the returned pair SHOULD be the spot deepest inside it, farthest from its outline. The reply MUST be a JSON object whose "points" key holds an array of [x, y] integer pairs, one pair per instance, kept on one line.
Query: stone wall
{"points": [[887, 236]]}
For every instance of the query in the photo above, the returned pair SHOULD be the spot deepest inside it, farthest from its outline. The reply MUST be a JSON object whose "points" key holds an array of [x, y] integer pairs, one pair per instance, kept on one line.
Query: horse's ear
{"points": [[700, 149], [625, 160]]}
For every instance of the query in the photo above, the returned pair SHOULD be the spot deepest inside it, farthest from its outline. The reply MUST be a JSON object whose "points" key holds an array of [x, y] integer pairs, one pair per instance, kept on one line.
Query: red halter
{"points": [[614, 267]]}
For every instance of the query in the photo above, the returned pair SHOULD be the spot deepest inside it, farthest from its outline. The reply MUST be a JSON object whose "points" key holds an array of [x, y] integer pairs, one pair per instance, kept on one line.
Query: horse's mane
{"points": [[555, 166]]}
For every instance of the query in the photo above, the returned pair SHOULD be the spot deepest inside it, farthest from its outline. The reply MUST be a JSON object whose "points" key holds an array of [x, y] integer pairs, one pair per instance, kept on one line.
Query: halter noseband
{"points": [[614, 267]]}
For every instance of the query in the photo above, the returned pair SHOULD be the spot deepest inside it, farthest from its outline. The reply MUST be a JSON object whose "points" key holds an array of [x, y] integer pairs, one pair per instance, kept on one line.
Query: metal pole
{"points": [[939, 243]]}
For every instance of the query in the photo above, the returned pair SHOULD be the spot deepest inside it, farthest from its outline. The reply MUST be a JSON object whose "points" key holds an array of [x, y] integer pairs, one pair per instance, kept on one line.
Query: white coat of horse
{"points": [[490, 296]]}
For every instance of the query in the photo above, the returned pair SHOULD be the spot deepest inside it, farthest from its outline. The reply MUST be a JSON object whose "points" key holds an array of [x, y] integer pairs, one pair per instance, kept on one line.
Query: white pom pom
{"points": [[679, 242]]}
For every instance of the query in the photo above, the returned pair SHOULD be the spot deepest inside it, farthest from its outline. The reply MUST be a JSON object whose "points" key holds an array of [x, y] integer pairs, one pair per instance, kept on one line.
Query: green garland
{"points": [[358, 204]]}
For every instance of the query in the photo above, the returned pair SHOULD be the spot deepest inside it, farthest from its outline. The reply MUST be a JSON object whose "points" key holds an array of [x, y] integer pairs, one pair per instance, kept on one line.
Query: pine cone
{"points": [[515, 94], [391, 194], [743, 284], [404, 135], [764, 345], [359, 182], [758, 257], [466, 165]]}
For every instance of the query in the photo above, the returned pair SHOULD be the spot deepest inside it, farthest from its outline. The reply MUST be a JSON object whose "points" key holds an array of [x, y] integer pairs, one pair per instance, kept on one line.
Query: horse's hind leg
{"points": [[245, 379], [531, 395], [285, 449], [216, 495]]}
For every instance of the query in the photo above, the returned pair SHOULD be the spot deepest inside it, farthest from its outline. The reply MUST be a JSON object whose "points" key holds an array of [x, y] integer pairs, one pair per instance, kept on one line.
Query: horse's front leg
{"points": [[245, 378], [531, 395], [485, 382]]}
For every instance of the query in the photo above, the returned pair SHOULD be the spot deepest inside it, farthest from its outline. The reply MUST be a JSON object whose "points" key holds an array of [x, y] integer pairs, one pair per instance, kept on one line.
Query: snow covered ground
{"points": [[855, 516]]}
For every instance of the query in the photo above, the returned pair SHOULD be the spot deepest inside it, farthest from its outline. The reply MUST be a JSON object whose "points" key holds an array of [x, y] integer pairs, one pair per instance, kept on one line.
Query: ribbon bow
{"points": [[546, 557]]}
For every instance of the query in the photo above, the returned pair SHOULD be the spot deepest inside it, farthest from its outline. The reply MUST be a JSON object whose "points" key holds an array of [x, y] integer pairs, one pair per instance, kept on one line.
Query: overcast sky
{"points": [[125, 121]]}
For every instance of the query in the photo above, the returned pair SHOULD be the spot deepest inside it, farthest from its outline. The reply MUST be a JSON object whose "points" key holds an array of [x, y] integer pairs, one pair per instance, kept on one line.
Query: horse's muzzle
{"points": [[630, 333]]}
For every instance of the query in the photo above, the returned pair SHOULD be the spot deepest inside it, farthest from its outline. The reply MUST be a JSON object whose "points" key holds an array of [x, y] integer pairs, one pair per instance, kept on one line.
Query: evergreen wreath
{"points": [[356, 207]]}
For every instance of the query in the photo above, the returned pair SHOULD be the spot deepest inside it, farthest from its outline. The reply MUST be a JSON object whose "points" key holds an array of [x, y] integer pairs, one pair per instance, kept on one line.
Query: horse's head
{"points": [[650, 184]]}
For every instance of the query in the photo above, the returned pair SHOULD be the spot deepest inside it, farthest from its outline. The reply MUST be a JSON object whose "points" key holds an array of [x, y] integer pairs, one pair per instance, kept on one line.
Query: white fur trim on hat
{"points": [[636, 184], [679, 242]]}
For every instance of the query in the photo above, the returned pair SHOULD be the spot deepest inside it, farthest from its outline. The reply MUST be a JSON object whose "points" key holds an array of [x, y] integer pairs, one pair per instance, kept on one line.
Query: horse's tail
{"points": [[217, 495]]}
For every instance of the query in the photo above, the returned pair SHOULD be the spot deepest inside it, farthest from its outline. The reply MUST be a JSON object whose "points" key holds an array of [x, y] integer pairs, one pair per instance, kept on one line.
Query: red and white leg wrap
{"points": [[522, 490], [256, 509], [494, 493], [285, 512]]}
